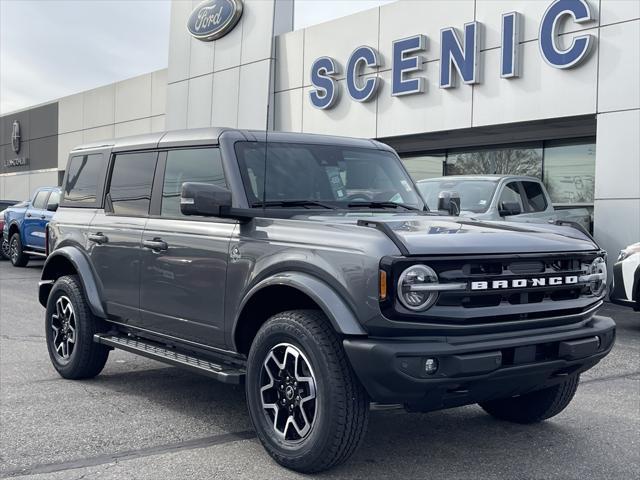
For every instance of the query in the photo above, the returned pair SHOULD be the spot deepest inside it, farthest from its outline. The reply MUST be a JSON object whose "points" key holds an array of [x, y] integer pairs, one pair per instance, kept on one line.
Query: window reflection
{"points": [[569, 172], [503, 161], [567, 168], [424, 166]]}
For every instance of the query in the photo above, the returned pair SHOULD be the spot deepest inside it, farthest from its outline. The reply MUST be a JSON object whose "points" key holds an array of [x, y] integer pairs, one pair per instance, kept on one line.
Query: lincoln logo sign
{"points": [[459, 56], [525, 282], [213, 19], [15, 137]]}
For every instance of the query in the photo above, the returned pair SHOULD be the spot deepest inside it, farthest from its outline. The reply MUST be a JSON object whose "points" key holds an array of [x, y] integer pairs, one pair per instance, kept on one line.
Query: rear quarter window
{"points": [[83, 178]]}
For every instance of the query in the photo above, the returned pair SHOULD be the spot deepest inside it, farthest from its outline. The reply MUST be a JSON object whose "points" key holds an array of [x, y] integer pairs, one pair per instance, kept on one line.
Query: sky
{"points": [[53, 48]]}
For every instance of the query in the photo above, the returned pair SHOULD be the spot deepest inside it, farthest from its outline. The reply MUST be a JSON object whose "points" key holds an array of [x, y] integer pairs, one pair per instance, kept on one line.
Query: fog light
{"points": [[430, 366]]}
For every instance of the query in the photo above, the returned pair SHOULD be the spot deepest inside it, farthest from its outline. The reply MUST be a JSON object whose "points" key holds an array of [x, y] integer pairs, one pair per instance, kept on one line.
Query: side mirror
{"points": [[52, 207], [509, 208], [449, 202], [204, 199]]}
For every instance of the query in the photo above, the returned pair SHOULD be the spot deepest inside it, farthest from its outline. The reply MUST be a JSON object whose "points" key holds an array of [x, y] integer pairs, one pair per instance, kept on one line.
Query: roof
{"points": [[211, 136], [492, 178]]}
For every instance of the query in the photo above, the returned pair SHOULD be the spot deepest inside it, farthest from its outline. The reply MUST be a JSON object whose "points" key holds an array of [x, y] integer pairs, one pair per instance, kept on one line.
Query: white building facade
{"points": [[542, 87]]}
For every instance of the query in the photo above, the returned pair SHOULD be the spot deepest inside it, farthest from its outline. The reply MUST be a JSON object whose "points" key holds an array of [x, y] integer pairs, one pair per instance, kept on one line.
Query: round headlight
{"points": [[414, 287], [598, 269]]}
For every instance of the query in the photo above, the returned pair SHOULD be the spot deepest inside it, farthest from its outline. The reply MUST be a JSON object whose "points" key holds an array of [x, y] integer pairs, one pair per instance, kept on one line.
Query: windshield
{"points": [[475, 195], [326, 176]]}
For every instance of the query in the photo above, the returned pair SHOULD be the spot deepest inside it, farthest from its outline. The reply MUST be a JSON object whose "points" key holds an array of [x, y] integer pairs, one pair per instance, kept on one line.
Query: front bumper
{"points": [[476, 368]]}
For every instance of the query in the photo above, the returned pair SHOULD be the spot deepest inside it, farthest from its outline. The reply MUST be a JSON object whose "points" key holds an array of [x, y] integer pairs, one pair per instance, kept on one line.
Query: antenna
{"points": [[266, 148]]}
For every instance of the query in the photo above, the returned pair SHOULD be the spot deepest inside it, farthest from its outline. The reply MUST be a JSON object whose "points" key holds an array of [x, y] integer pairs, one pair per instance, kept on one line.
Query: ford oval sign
{"points": [[15, 136], [213, 19]]}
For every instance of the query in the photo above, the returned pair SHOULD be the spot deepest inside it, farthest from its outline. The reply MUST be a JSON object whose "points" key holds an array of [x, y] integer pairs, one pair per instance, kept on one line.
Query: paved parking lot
{"points": [[142, 420]]}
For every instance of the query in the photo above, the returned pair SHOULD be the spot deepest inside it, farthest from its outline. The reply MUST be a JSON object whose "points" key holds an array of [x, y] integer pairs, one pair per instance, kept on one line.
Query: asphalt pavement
{"points": [[141, 419]]}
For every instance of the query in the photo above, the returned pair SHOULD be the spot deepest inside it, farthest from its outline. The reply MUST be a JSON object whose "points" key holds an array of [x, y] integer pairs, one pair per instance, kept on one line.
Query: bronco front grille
{"points": [[505, 288]]}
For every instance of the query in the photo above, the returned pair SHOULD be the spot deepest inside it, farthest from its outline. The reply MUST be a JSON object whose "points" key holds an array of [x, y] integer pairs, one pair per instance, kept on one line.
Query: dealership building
{"points": [[537, 87]]}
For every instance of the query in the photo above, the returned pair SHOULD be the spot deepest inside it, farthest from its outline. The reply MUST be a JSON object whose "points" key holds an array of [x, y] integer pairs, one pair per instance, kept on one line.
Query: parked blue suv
{"points": [[25, 225]]}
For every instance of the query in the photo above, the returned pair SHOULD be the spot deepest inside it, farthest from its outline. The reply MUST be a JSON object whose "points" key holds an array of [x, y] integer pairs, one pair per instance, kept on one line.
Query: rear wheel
{"points": [[307, 406], [70, 327], [535, 406], [16, 253]]}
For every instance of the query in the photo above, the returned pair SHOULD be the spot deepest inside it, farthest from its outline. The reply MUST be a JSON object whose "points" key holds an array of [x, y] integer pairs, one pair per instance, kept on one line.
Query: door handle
{"points": [[28, 215], [157, 245], [42, 217], [98, 238]]}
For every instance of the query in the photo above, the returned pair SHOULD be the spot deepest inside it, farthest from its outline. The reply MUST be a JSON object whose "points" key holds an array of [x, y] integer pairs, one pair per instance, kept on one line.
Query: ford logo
{"points": [[15, 137], [213, 19]]}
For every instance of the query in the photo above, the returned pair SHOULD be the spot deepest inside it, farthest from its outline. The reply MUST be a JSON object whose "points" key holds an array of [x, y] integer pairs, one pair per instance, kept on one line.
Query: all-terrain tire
{"points": [[535, 406], [17, 256], [342, 404], [85, 358]]}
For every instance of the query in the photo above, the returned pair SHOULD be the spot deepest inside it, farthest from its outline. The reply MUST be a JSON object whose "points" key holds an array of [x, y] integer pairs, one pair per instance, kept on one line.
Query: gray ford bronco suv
{"points": [[308, 268]]}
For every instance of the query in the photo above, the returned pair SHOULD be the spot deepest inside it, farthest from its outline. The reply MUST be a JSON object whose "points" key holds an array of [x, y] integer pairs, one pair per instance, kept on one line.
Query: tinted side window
{"points": [[40, 200], [54, 199], [511, 194], [131, 180], [82, 180], [202, 165], [535, 196]]}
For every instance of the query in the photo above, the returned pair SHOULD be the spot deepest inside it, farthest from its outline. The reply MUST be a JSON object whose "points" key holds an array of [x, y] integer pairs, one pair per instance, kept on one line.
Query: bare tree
{"points": [[509, 161]]}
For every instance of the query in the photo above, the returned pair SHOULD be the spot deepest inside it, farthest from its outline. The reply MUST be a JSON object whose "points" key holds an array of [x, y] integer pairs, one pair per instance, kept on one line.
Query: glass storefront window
{"points": [[566, 167], [423, 167], [569, 172], [500, 161]]}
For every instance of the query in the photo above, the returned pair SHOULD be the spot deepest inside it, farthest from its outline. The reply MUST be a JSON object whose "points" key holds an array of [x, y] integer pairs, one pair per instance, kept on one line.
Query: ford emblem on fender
{"points": [[213, 19]]}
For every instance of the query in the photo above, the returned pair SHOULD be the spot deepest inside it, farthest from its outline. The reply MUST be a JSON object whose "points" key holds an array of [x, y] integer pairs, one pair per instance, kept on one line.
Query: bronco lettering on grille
{"points": [[524, 283]]}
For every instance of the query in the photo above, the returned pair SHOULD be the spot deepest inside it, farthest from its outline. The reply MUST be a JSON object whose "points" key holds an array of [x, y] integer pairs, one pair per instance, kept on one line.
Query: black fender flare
{"points": [[14, 224], [88, 279], [341, 316]]}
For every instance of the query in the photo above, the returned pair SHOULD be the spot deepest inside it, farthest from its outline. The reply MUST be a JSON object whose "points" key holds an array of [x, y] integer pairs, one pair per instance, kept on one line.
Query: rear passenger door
{"points": [[184, 259], [115, 234], [34, 222]]}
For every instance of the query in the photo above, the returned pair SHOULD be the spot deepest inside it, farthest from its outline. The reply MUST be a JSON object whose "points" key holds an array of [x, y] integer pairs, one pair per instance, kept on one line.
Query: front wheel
{"points": [[308, 408], [16, 253], [535, 406]]}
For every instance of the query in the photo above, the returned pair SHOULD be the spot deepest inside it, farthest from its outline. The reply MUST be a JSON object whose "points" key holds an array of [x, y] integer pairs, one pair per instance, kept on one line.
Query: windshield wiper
{"points": [[294, 203], [382, 205]]}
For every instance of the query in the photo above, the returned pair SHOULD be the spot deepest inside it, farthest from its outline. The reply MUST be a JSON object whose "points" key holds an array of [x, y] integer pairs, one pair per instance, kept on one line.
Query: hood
{"points": [[435, 235]]}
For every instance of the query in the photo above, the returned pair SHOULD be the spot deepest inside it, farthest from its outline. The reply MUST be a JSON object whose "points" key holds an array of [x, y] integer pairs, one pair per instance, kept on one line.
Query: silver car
{"points": [[502, 197]]}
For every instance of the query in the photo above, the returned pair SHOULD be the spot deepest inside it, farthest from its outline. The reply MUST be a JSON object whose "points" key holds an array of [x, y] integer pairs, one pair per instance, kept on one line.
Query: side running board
{"points": [[36, 254], [221, 372]]}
